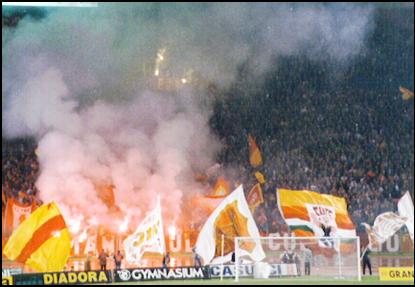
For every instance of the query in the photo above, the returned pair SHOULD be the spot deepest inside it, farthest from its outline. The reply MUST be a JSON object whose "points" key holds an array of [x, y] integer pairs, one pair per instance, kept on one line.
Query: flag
{"points": [[105, 193], [406, 94], [3, 199], [232, 218], [16, 213], [406, 209], [386, 224], [255, 197], [221, 188], [148, 237], [307, 213], [255, 157], [260, 177], [42, 241]]}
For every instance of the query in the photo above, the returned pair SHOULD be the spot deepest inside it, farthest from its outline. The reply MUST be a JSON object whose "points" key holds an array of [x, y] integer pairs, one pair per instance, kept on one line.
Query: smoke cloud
{"points": [[77, 81]]}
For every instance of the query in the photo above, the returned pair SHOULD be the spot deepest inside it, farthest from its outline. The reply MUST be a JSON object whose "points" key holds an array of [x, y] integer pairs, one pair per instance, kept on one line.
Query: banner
{"points": [[396, 274], [145, 274], [309, 213], [42, 241], [255, 197], [27, 279], [406, 209], [82, 277], [386, 225], [148, 237], [248, 270], [232, 218], [16, 213]]}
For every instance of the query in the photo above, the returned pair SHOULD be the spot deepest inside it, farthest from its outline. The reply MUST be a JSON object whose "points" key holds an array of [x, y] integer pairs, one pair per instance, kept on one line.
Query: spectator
{"points": [[166, 260], [118, 257], [103, 260], [88, 263]]}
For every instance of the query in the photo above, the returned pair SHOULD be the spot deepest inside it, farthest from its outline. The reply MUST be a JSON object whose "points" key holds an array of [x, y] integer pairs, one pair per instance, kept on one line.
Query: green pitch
{"points": [[368, 280]]}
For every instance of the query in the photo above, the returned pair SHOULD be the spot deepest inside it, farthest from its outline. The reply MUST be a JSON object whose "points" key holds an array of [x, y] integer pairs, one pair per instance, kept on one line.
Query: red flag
{"points": [[255, 197]]}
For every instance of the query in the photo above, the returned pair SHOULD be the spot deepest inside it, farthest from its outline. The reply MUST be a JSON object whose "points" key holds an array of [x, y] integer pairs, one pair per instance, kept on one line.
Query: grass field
{"points": [[368, 280]]}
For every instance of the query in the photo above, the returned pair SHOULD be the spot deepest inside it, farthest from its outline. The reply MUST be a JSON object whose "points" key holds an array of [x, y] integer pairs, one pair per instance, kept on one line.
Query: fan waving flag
{"points": [[386, 224], [232, 218], [42, 241], [148, 237], [309, 213], [255, 157]]}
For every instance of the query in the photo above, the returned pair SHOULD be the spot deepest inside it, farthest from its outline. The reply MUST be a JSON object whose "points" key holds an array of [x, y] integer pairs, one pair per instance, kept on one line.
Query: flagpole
{"points": [[340, 258], [359, 276], [221, 251], [163, 239]]}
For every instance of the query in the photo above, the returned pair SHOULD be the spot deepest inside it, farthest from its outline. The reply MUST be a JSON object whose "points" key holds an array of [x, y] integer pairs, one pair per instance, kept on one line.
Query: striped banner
{"points": [[309, 213]]}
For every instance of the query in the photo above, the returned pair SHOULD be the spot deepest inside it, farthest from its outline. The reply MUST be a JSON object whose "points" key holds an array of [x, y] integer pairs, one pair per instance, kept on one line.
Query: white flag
{"points": [[148, 237], [386, 224], [232, 218], [406, 209]]}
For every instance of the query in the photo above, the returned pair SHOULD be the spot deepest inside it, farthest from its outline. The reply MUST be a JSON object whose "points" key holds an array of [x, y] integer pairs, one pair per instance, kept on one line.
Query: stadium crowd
{"points": [[20, 169], [361, 149], [342, 130]]}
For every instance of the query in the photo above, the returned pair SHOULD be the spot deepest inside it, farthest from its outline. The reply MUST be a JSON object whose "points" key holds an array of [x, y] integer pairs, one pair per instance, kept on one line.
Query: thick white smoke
{"points": [[74, 81]]}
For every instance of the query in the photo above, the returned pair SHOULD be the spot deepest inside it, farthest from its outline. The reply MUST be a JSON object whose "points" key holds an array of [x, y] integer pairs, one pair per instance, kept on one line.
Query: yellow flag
{"points": [[406, 94], [42, 241], [260, 177], [221, 188], [255, 157]]}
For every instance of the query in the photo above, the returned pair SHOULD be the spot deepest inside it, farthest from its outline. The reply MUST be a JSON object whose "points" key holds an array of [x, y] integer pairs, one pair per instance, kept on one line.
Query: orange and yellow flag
{"points": [[255, 157], [232, 218], [42, 241], [260, 177], [221, 188], [406, 94], [306, 211], [255, 197]]}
